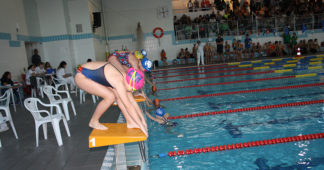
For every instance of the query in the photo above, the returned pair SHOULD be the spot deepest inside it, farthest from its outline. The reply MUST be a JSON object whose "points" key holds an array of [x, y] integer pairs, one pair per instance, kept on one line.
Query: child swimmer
{"points": [[162, 118]]}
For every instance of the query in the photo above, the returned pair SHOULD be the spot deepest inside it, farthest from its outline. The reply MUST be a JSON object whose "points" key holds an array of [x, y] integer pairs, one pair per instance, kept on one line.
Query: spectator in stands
{"points": [[200, 53], [316, 46], [181, 56], [228, 53], [196, 5], [234, 47], [6, 81], [40, 69], [202, 5], [187, 55], [293, 42], [47, 66], [63, 76], [36, 59], [30, 76], [239, 50], [207, 4], [220, 47], [208, 53], [281, 49], [247, 43], [190, 6], [258, 47], [286, 39], [194, 51], [164, 58], [276, 48], [253, 50], [271, 50]]}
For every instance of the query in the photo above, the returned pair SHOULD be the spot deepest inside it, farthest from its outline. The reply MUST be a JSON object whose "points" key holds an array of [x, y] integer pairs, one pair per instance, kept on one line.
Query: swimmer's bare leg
{"points": [[97, 89]]}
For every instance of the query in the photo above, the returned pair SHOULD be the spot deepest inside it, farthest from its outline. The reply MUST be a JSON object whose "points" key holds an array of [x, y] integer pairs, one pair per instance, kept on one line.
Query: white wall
{"points": [[13, 59], [122, 17], [51, 17], [31, 16], [98, 42]]}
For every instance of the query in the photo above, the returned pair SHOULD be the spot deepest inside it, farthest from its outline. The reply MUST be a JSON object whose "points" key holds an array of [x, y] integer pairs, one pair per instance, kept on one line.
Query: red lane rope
{"points": [[248, 109], [231, 82], [181, 68], [244, 91], [212, 77], [245, 144], [219, 71], [195, 69]]}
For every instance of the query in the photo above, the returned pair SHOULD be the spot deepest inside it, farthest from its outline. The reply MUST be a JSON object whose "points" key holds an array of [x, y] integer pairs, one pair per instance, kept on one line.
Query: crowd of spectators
{"points": [[237, 50], [41, 70], [228, 13]]}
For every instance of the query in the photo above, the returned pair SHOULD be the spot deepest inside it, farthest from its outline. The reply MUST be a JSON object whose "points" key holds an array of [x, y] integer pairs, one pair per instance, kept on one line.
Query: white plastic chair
{"points": [[55, 98], [82, 97], [40, 84], [5, 107], [58, 83], [32, 107]]}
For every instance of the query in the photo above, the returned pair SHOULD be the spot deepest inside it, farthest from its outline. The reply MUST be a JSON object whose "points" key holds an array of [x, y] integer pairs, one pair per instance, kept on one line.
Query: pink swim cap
{"points": [[135, 79]]}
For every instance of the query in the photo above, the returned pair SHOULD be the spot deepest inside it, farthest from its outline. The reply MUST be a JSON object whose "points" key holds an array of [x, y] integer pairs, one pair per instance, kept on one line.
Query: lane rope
{"points": [[240, 74], [265, 65], [188, 67], [210, 72], [238, 63], [244, 91], [230, 82], [248, 109], [247, 67], [219, 76], [197, 69], [241, 145], [245, 81]]}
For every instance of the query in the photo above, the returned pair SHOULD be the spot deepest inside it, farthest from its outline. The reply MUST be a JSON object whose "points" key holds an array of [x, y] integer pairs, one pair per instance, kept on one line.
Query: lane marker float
{"points": [[243, 74], [244, 91], [248, 109], [241, 145], [245, 81]]}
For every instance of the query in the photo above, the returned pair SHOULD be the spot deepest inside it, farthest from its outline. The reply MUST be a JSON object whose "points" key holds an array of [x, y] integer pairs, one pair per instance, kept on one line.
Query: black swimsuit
{"points": [[97, 75]]}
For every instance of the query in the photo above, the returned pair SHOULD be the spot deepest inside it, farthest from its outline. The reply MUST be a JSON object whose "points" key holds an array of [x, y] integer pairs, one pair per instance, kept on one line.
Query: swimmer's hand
{"points": [[180, 135]]}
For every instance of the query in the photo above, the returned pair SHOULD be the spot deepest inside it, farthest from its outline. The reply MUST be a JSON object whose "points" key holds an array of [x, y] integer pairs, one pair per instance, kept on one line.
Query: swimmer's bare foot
{"points": [[132, 125], [97, 125]]}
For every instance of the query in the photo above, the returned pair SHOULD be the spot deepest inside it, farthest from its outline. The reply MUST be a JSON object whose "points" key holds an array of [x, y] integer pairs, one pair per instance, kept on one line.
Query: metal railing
{"points": [[253, 25]]}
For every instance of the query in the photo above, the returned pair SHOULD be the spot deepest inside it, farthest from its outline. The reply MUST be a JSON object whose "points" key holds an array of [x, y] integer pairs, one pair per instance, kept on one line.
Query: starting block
{"points": [[117, 133], [138, 99]]}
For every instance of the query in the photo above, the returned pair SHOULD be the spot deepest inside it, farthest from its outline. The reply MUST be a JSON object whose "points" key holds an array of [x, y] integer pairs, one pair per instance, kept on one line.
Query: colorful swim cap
{"points": [[147, 64], [157, 102], [144, 53], [138, 55], [135, 79], [160, 112], [154, 88]]}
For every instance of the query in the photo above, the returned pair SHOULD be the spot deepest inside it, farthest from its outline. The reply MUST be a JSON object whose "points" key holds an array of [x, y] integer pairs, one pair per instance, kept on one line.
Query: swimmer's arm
{"points": [[153, 118], [133, 61], [137, 108], [147, 100], [148, 80], [128, 103]]}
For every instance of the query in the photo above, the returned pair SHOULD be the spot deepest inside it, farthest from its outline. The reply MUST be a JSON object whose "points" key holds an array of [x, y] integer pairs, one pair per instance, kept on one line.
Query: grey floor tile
{"points": [[74, 154]]}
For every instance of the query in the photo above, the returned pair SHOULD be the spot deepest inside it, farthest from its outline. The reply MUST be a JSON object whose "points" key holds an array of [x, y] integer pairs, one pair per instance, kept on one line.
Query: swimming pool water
{"points": [[242, 126]]}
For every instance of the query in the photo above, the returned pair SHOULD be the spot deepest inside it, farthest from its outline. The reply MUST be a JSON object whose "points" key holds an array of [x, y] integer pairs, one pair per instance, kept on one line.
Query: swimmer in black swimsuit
{"points": [[105, 80]]}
